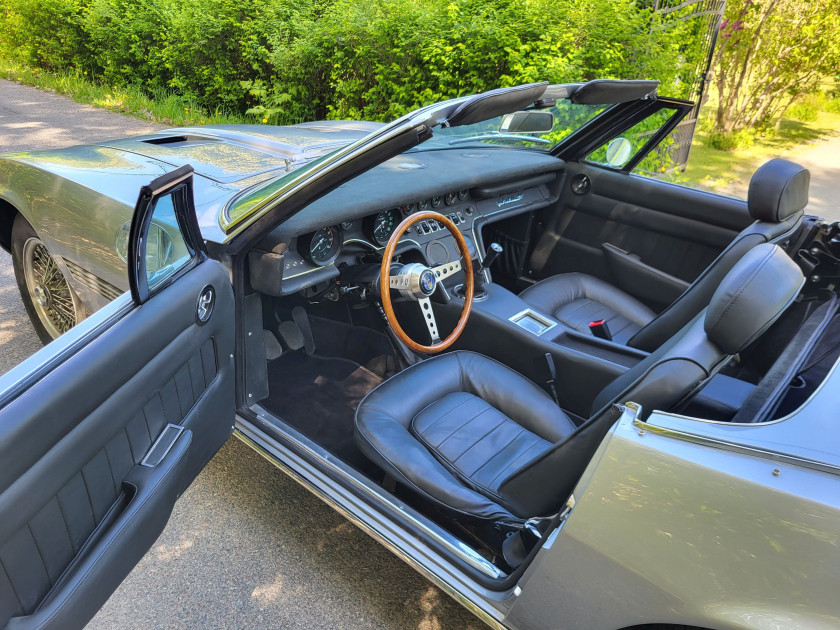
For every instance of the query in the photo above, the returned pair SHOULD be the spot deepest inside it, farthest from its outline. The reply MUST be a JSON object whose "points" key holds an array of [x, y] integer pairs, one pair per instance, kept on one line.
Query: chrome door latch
{"points": [[206, 302]]}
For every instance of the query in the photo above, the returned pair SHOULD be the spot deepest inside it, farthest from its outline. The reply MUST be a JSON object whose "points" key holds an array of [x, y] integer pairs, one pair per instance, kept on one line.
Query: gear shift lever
{"points": [[492, 254]]}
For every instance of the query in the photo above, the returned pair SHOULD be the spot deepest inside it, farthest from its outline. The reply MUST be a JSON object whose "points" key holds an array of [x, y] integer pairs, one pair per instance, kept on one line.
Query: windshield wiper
{"points": [[506, 137]]}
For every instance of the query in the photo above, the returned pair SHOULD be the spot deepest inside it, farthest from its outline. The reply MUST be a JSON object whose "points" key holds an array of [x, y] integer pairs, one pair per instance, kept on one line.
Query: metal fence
{"points": [[708, 14]]}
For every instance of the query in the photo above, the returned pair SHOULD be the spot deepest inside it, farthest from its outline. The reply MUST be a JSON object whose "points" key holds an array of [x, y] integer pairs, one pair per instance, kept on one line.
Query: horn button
{"points": [[415, 281]]}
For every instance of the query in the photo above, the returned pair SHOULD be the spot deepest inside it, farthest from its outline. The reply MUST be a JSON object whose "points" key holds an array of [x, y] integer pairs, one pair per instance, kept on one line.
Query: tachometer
{"points": [[321, 247], [383, 225]]}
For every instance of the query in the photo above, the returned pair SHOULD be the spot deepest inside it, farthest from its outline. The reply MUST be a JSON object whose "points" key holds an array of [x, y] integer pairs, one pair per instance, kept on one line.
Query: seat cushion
{"points": [[576, 299], [444, 420], [476, 441]]}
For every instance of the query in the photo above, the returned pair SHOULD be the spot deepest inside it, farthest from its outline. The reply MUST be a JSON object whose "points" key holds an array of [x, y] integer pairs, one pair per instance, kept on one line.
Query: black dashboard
{"points": [[471, 188]]}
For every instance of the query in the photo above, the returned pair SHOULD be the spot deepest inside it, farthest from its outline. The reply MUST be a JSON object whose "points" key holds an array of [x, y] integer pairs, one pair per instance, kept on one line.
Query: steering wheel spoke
{"points": [[444, 271], [399, 282], [429, 318]]}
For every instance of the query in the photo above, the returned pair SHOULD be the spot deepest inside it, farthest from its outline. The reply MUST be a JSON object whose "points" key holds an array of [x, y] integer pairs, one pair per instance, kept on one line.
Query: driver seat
{"points": [[483, 442]]}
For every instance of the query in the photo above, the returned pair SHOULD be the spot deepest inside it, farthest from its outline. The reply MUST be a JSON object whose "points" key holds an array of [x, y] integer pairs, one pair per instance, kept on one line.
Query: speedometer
{"points": [[383, 226], [321, 247]]}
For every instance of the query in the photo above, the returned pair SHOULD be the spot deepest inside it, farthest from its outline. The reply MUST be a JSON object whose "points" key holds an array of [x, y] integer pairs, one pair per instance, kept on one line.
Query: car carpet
{"points": [[318, 396]]}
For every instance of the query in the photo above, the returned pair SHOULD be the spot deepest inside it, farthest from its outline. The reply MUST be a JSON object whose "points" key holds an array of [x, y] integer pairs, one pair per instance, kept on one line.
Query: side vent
{"points": [[92, 282]]}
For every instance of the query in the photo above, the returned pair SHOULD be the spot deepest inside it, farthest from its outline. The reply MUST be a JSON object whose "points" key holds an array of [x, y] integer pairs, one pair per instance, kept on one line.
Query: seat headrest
{"points": [[752, 296], [778, 189]]}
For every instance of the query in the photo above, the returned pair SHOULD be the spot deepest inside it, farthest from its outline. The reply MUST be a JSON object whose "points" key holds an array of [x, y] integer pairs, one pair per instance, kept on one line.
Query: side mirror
{"points": [[527, 122], [619, 152]]}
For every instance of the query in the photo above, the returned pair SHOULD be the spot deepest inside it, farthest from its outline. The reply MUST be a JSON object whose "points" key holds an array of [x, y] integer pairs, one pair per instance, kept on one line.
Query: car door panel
{"points": [[78, 508], [671, 228]]}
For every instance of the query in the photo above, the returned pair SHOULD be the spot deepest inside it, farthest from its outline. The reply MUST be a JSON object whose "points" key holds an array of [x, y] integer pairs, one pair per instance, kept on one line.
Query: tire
{"points": [[52, 305]]}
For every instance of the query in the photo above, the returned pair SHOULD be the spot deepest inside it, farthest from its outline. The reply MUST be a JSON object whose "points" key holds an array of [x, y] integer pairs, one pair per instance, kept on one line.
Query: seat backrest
{"points": [[777, 196], [752, 296]]}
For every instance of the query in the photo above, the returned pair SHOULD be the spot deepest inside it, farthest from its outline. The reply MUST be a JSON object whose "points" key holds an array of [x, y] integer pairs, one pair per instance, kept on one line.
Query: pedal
{"points": [[291, 334], [273, 348], [302, 321]]}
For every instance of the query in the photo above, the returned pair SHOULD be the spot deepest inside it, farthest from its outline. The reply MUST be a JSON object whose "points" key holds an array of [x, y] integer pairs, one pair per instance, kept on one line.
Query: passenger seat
{"points": [[777, 197]]}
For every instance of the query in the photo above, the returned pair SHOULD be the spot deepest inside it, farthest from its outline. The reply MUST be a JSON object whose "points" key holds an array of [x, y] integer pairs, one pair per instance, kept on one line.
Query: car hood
{"points": [[227, 159], [231, 153]]}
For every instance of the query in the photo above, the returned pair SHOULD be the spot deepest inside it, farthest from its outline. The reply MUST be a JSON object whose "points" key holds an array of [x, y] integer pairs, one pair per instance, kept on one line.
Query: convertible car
{"points": [[569, 394]]}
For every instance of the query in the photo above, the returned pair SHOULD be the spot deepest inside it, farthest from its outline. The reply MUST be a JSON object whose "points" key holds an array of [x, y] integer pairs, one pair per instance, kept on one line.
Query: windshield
{"points": [[504, 131]]}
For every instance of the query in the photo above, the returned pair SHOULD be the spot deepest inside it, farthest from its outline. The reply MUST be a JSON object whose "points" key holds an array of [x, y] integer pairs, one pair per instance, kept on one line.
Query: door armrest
{"points": [[641, 280]]}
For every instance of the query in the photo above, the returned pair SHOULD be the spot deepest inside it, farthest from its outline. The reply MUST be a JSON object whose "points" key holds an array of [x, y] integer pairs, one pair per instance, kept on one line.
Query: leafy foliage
{"points": [[290, 60], [772, 53]]}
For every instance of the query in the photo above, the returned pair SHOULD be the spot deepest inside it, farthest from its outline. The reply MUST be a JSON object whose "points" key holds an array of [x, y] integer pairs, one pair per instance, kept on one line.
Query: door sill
{"points": [[419, 542]]}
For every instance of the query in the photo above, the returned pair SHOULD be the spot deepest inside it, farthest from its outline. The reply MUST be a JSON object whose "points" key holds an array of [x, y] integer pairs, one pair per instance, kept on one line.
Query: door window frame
{"points": [[179, 184]]}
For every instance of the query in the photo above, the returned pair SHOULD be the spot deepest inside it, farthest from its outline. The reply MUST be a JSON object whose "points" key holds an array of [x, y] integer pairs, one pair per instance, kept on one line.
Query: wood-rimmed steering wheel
{"points": [[417, 282]]}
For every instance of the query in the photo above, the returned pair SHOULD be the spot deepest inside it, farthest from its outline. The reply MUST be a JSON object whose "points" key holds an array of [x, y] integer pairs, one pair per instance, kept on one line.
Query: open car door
{"points": [[103, 429]]}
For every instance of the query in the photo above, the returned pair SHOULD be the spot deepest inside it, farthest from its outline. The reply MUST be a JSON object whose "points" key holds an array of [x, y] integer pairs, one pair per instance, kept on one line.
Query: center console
{"points": [[504, 327]]}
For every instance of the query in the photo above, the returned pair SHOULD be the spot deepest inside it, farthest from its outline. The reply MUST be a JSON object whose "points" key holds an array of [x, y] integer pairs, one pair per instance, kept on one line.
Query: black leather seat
{"points": [[778, 194], [483, 442]]}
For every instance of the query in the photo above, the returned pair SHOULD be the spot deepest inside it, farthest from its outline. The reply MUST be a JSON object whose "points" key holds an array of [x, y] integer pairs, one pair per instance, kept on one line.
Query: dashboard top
{"points": [[412, 177]]}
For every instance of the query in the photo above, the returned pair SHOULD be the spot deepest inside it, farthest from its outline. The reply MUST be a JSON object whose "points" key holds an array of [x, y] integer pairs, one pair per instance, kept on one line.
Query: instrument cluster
{"points": [[323, 246]]}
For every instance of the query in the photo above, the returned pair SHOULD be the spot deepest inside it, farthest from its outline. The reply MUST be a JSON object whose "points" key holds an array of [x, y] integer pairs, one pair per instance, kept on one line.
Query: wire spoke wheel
{"points": [[51, 295]]}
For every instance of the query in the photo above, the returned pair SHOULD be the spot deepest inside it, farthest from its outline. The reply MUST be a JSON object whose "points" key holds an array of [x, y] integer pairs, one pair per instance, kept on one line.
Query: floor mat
{"points": [[318, 396]]}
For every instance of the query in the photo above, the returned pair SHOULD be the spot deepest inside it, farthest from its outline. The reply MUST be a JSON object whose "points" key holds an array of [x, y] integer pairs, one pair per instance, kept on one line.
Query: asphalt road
{"points": [[246, 546]]}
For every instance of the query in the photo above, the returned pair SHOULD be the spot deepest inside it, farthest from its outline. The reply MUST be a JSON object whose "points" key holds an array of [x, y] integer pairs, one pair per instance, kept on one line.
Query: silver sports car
{"points": [[570, 394]]}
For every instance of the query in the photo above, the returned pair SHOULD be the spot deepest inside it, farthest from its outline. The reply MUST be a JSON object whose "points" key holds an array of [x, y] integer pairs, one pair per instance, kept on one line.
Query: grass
{"points": [[161, 106], [729, 171]]}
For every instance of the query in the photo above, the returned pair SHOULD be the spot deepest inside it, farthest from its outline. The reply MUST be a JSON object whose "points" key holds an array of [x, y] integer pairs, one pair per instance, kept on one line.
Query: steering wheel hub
{"points": [[414, 281]]}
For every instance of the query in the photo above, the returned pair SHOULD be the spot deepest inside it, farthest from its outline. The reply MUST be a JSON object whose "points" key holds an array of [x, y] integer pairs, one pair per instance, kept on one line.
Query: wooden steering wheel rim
{"points": [[385, 274]]}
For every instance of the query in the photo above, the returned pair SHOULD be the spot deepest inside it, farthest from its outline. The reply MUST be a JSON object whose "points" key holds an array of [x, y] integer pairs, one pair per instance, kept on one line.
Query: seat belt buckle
{"points": [[600, 329]]}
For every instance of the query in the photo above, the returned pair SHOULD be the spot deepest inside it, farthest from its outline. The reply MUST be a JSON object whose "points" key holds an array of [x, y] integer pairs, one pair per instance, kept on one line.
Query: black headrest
{"points": [[778, 189], [751, 297]]}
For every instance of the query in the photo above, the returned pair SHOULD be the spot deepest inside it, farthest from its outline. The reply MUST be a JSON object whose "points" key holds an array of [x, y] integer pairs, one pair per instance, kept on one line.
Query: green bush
{"points": [[723, 141], [803, 112], [43, 33], [292, 60]]}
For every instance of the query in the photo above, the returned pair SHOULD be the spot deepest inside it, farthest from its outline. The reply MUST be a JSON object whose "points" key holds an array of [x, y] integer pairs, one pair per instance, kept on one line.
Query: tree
{"points": [[770, 53]]}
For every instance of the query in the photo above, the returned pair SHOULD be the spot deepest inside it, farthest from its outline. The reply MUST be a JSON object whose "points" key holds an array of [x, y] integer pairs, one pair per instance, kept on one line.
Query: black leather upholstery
{"points": [[482, 441], [778, 189], [754, 291], [777, 196], [77, 511], [475, 402], [575, 299]]}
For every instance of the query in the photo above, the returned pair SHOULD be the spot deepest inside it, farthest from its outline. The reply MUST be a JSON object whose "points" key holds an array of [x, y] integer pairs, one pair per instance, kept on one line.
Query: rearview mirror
{"points": [[527, 122], [619, 152]]}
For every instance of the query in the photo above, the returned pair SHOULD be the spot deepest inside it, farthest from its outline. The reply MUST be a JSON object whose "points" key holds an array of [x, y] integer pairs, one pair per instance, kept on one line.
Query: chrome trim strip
{"points": [[24, 375], [491, 619], [731, 445], [461, 550]]}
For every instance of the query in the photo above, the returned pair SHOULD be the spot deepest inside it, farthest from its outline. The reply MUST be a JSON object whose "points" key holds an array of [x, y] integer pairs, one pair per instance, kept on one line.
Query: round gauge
{"points": [[462, 194], [383, 226], [407, 208], [451, 198], [321, 247], [436, 201], [423, 205], [346, 225]]}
